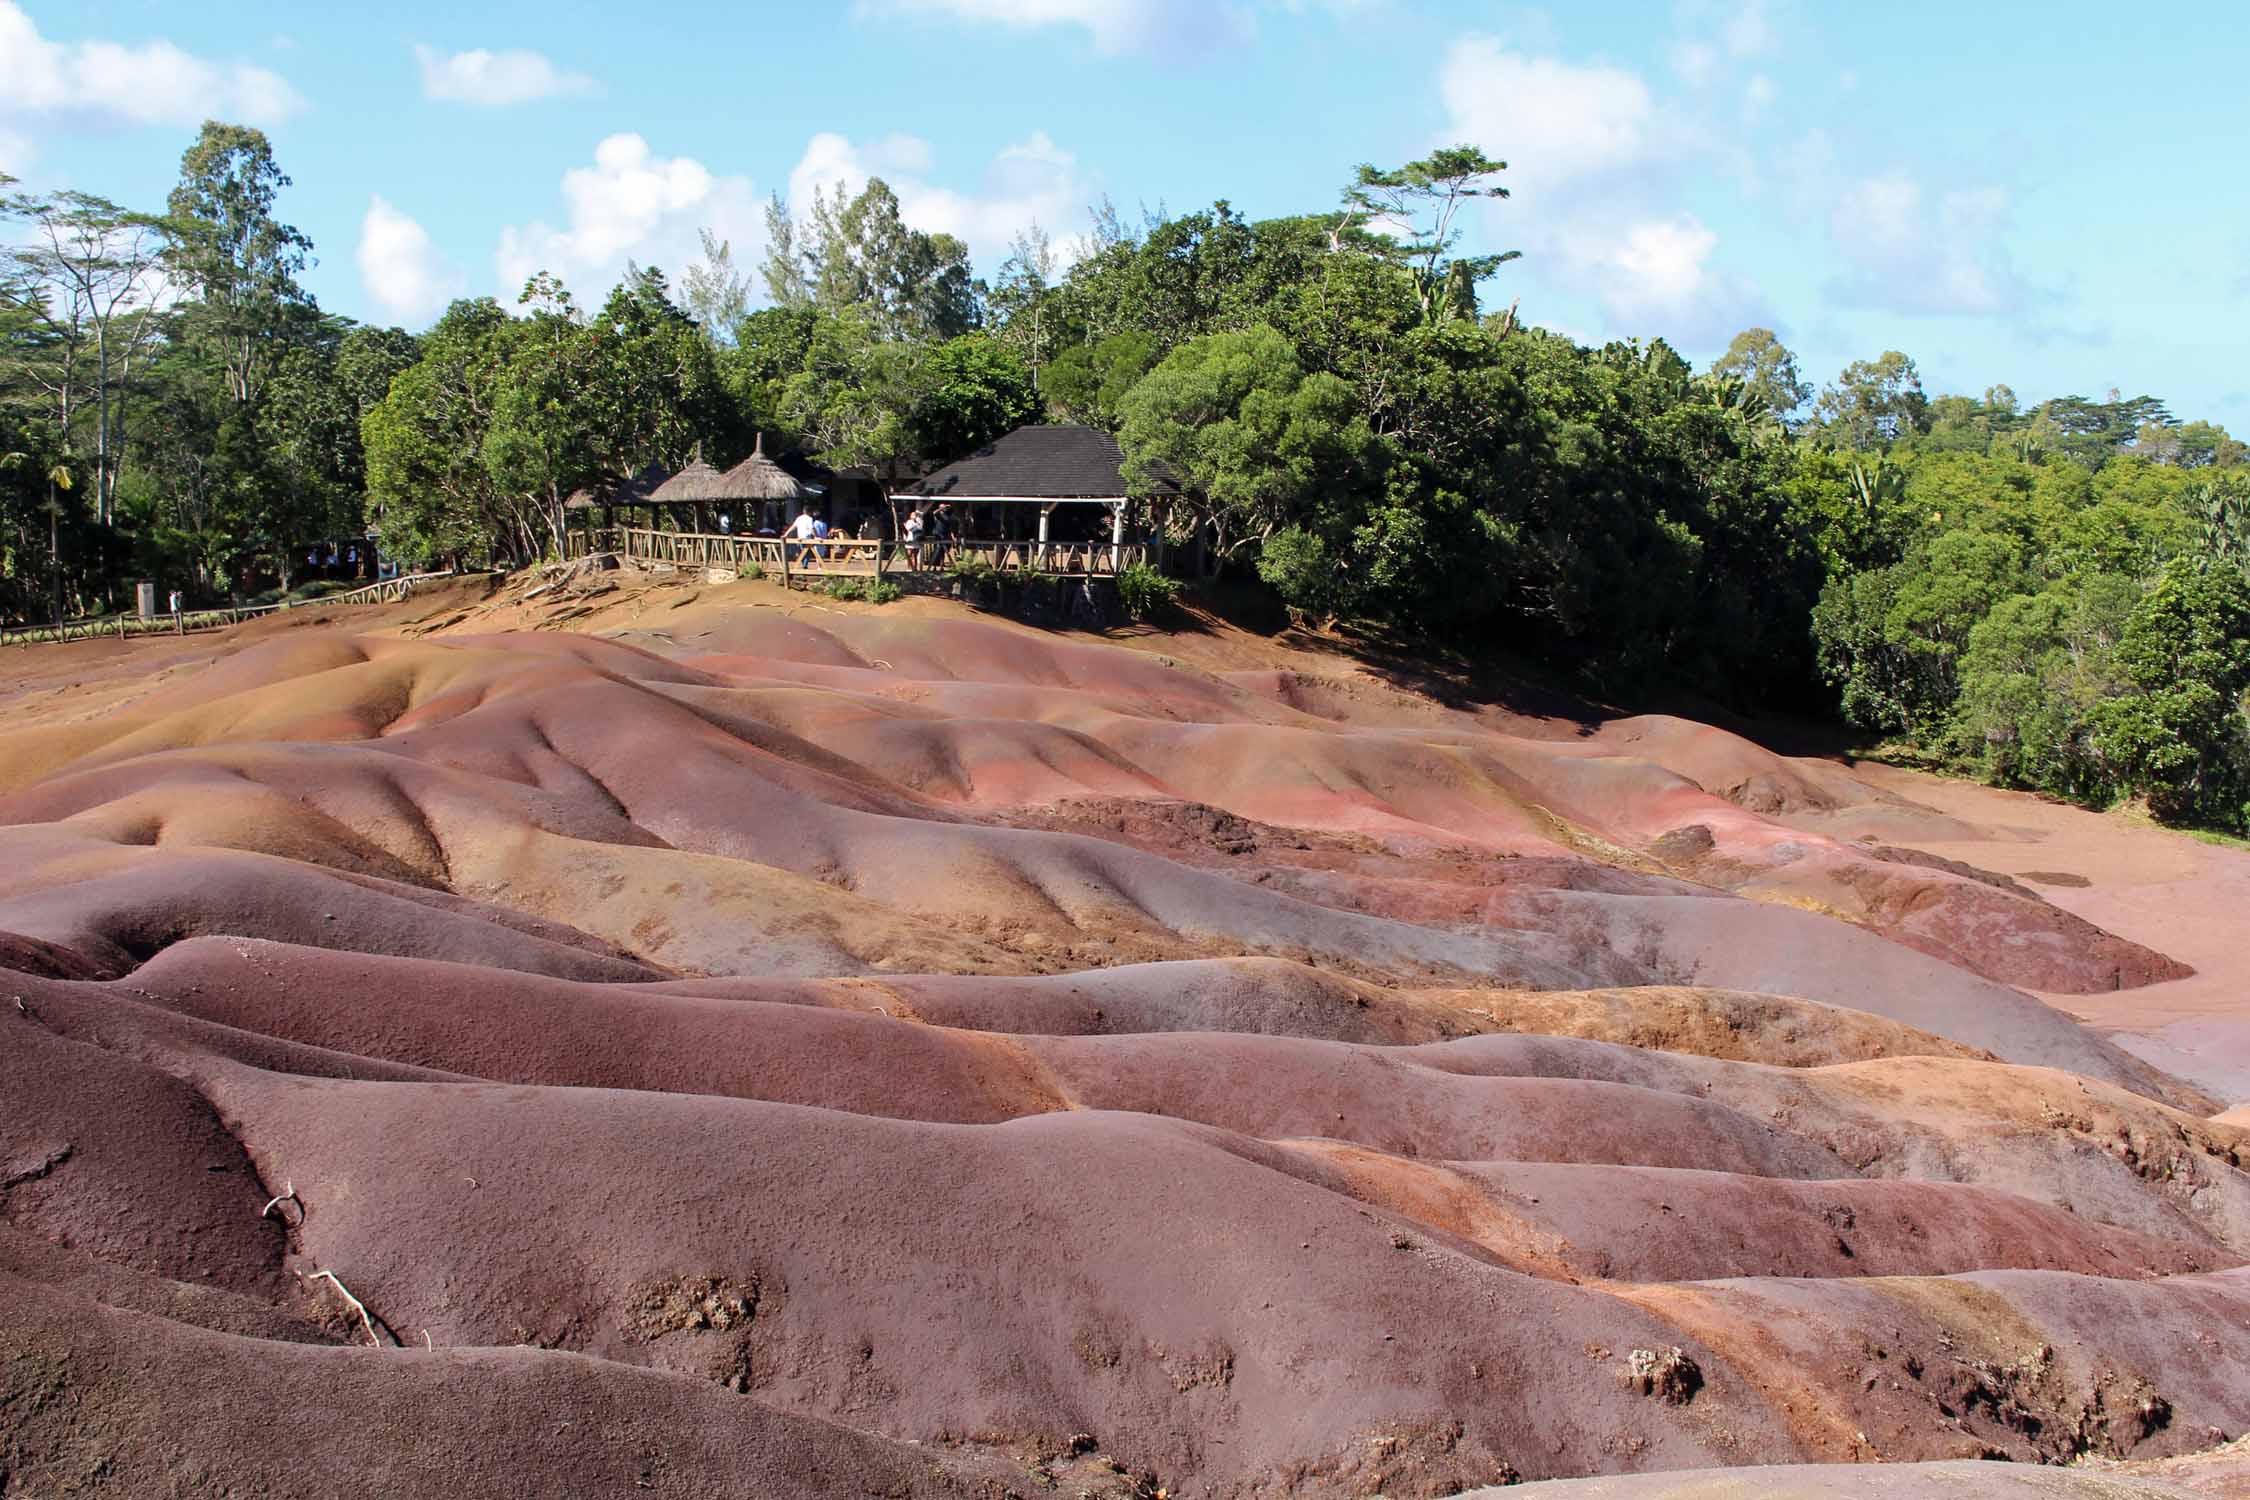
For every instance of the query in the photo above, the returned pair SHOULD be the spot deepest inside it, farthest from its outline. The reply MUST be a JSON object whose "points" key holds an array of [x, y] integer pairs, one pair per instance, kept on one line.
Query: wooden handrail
{"points": [[384, 591], [851, 558]]}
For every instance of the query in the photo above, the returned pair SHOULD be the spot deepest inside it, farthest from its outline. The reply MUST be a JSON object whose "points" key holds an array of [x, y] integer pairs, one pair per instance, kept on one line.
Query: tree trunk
{"points": [[54, 545]]}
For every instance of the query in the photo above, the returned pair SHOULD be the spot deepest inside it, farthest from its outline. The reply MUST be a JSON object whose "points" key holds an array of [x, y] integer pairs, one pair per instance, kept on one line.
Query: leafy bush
{"points": [[1144, 591], [883, 591], [752, 571], [845, 588], [971, 571]]}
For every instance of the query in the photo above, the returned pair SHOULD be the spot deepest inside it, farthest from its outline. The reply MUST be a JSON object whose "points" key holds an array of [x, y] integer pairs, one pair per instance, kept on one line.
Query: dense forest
{"points": [[2052, 594]]}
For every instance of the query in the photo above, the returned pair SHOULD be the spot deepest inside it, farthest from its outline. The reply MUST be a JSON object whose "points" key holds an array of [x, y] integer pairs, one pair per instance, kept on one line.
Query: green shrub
{"points": [[1145, 592], [970, 570], [883, 591], [752, 572], [845, 588]]}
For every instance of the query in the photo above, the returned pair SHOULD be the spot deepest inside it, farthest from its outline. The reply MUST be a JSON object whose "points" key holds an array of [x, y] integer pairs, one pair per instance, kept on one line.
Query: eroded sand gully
{"points": [[725, 1045]]}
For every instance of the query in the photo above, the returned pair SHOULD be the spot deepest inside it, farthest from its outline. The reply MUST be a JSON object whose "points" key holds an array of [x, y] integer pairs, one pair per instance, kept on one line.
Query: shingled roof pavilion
{"points": [[1046, 465]]}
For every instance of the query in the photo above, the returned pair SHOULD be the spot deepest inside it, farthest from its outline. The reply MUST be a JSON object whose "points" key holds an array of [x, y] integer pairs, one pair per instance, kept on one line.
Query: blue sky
{"points": [[2048, 195]]}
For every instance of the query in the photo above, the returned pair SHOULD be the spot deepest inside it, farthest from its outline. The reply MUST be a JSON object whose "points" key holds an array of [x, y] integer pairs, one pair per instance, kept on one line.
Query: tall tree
{"points": [[1415, 210], [238, 261], [427, 485], [783, 270], [1018, 302], [716, 295], [858, 254], [1766, 368], [89, 277], [1874, 401]]}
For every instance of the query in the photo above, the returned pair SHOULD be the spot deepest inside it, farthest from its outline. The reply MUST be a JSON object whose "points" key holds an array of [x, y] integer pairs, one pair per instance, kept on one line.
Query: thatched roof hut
{"points": [[698, 481], [759, 478], [634, 491]]}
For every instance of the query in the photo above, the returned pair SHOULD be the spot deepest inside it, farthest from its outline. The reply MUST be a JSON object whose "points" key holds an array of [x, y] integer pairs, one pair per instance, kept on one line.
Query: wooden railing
{"points": [[387, 591], [783, 558]]}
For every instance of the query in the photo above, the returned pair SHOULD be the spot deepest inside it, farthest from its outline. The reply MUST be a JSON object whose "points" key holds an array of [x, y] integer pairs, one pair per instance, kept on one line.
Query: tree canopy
{"points": [[2049, 592]]}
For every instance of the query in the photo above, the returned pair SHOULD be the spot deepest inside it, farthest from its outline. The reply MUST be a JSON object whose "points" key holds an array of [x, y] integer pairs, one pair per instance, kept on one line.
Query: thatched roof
{"points": [[1054, 461], [698, 481], [633, 491], [760, 478]]}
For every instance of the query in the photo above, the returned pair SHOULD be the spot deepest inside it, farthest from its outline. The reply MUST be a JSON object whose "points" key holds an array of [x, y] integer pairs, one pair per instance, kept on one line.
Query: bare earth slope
{"points": [[749, 1047]]}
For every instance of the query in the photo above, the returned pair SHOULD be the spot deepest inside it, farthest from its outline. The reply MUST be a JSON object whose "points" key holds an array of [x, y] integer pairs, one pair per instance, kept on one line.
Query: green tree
{"points": [[716, 295], [1874, 401], [857, 255], [85, 285], [1254, 441], [542, 438], [1766, 368], [239, 261], [1088, 382], [427, 484], [2180, 738], [977, 390], [2035, 671], [1422, 203]]}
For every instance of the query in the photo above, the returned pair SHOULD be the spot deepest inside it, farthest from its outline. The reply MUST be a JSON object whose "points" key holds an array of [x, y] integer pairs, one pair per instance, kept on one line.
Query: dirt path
{"points": [[2174, 893]]}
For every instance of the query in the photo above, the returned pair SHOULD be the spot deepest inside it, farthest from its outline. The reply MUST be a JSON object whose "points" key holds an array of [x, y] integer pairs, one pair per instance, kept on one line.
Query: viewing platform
{"points": [[786, 558]]}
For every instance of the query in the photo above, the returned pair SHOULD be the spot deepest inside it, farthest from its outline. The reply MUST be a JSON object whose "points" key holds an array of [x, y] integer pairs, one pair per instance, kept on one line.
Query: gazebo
{"points": [[1040, 466], [761, 482], [609, 499], [756, 487]]}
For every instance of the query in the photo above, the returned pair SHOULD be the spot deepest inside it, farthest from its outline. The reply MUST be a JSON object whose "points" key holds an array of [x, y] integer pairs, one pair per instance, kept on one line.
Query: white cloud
{"points": [[154, 83], [1663, 262], [1033, 180], [400, 266], [495, 79], [632, 204], [1660, 276], [1175, 28], [1589, 167], [1553, 122], [1912, 253]]}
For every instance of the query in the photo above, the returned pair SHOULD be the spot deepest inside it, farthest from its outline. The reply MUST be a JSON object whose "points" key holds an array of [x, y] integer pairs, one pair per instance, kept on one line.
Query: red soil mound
{"points": [[914, 1055]]}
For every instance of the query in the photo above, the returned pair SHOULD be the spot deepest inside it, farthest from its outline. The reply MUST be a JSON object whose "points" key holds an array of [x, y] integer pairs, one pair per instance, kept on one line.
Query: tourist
{"points": [[801, 530], [940, 531], [915, 526]]}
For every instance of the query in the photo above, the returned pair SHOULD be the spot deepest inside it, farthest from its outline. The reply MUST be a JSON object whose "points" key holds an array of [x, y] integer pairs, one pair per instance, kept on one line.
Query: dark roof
{"points": [[1050, 462]]}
